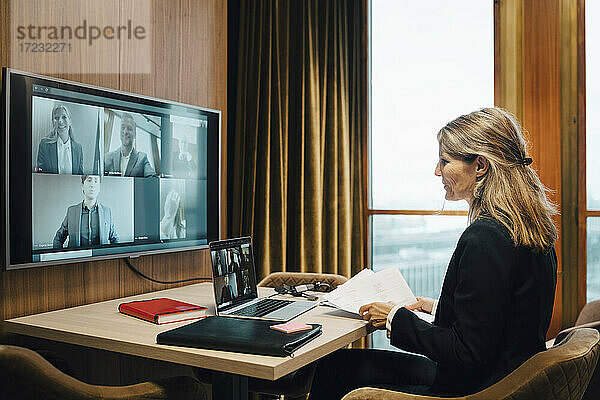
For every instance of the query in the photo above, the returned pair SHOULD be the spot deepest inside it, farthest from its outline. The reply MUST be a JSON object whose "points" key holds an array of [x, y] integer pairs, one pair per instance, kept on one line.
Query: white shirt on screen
{"points": [[65, 162], [124, 162]]}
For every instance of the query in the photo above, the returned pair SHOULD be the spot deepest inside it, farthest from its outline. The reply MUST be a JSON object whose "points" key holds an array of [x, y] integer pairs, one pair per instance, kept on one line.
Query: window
{"points": [[431, 61]]}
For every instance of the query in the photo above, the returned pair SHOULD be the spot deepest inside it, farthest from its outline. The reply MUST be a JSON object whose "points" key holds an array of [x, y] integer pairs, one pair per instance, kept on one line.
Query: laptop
{"points": [[234, 283]]}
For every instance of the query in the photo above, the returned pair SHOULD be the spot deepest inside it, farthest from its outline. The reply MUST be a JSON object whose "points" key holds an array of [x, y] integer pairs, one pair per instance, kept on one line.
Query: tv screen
{"points": [[94, 173]]}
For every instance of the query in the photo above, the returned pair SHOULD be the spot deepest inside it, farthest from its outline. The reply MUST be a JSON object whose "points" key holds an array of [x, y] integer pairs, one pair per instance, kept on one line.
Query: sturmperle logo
{"points": [[82, 36], [83, 31]]}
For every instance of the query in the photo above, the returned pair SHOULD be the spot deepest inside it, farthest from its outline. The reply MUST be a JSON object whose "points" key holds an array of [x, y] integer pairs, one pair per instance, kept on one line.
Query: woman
{"points": [[59, 153], [184, 165], [498, 292], [172, 225]]}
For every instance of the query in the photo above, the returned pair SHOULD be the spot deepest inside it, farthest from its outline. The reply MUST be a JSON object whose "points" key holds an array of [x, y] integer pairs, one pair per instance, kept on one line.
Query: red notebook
{"points": [[162, 310]]}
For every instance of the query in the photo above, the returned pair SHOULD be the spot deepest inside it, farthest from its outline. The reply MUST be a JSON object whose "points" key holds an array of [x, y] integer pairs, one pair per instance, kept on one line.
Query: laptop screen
{"points": [[234, 277]]}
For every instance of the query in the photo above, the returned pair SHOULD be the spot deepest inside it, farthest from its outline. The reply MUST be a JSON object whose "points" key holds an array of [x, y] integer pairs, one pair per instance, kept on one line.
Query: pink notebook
{"points": [[291, 327]]}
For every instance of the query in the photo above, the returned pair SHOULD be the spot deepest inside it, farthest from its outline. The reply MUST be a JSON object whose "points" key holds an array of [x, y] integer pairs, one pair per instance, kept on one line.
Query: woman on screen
{"points": [[59, 153], [184, 165], [172, 225], [498, 293]]}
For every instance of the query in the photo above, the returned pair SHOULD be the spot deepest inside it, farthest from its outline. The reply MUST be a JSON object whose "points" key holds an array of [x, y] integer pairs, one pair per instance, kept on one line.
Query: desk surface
{"points": [[101, 326]]}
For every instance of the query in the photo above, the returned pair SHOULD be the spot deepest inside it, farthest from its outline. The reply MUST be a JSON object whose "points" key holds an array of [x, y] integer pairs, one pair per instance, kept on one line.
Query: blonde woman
{"points": [[498, 292], [58, 152]]}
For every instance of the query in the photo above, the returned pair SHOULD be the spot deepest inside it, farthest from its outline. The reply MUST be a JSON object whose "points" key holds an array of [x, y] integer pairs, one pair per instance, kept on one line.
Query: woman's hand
{"points": [[423, 304], [376, 313], [172, 204]]}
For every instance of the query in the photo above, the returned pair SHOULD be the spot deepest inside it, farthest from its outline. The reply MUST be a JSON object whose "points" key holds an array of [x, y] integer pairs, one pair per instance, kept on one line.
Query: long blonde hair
{"points": [[510, 191], [53, 135]]}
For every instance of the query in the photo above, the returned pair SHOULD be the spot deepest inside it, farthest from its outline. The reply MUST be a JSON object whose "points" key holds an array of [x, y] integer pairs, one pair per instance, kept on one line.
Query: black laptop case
{"points": [[239, 335]]}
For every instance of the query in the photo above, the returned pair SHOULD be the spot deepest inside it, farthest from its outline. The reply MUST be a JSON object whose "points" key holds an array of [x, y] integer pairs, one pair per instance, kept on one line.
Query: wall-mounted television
{"points": [[94, 173]]}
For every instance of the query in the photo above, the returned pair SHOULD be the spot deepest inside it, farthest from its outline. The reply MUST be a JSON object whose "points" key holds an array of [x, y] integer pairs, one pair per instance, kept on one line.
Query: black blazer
{"points": [[138, 164], [493, 313], [47, 158]]}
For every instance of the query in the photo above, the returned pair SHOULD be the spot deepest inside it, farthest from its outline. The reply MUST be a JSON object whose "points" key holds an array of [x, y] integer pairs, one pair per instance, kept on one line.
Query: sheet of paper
{"points": [[367, 286], [391, 286]]}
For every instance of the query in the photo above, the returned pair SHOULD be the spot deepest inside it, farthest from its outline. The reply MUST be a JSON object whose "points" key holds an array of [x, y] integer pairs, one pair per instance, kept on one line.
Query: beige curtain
{"points": [[296, 176]]}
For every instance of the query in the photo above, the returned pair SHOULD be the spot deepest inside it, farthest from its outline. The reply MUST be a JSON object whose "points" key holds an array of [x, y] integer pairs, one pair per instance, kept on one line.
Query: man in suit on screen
{"points": [[126, 159], [88, 223]]}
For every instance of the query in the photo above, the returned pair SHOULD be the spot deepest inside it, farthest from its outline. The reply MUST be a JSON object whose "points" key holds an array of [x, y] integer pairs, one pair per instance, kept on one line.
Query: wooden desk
{"points": [[101, 326]]}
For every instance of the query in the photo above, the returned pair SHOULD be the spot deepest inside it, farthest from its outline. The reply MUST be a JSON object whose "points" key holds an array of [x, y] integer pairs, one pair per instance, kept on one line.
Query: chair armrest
{"points": [[177, 387], [299, 278], [368, 393], [589, 313], [562, 334], [25, 374]]}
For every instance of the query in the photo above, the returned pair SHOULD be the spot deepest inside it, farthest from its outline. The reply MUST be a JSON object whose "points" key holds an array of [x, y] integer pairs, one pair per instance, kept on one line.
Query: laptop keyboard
{"points": [[261, 308]]}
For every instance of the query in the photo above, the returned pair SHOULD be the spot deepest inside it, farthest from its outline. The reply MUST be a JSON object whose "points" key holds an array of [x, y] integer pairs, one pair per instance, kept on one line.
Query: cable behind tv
{"points": [[138, 272]]}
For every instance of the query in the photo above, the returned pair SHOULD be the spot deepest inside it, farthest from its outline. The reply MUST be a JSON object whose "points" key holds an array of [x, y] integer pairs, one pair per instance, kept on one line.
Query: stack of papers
{"points": [[387, 286]]}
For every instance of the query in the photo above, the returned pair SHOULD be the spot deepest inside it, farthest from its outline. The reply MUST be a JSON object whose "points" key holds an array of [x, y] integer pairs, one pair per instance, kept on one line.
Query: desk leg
{"points": [[229, 386]]}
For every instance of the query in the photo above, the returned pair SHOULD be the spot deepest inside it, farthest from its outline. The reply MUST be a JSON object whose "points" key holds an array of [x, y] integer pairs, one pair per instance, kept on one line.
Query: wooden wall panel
{"points": [[128, 57], [528, 83], [581, 159], [167, 53], [570, 164], [508, 56], [542, 107], [4, 44], [217, 12], [189, 64], [193, 83]]}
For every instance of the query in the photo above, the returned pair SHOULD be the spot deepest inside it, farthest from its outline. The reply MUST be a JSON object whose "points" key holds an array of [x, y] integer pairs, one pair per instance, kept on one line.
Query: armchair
{"points": [[559, 373], [26, 375]]}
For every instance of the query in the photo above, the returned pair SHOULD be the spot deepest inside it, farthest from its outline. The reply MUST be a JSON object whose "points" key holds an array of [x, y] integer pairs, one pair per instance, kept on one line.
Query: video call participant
{"points": [[59, 153], [246, 258], [184, 165], [172, 225], [88, 223], [237, 268], [245, 282], [227, 293], [228, 262], [126, 159], [498, 293], [218, 262]]}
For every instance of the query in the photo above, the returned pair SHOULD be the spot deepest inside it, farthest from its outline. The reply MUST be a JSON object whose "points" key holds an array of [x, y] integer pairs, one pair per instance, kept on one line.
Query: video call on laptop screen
{"points": [[102, 173], [233, 272]]}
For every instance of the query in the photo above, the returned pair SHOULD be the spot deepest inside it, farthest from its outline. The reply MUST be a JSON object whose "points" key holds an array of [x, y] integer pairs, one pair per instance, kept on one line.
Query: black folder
{"points": [[239, 335]]}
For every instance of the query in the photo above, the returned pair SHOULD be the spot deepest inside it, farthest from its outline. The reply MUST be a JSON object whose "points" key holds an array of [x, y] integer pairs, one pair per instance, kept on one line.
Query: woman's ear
{"points": [[481, 166]]}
